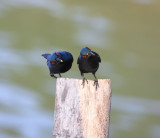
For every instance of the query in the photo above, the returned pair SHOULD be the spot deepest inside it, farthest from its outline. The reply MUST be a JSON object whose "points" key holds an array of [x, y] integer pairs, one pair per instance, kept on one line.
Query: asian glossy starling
{"points": [[58, 62], [88, 63]]}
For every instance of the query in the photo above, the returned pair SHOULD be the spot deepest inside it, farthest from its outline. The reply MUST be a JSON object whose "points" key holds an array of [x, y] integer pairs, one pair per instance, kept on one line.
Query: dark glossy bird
{"points": [[58, 62], [88, 63]]}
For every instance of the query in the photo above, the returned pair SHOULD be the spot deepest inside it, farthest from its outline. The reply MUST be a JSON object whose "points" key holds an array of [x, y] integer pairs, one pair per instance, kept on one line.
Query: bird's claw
{"points": [[96, 83], [83, 81], [52, 75]]}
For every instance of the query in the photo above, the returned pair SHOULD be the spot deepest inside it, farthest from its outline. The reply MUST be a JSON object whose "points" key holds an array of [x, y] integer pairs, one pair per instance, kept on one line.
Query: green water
{"points": [[126, 34]]}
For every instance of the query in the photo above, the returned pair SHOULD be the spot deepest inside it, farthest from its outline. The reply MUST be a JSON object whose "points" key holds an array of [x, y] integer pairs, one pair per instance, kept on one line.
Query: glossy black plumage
{"points": [[88, 62], [58, 62]]}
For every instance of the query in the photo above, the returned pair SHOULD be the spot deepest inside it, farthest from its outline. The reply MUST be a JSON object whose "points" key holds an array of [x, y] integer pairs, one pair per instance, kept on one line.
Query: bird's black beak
{"points": [[90, 53], [59, 60]]}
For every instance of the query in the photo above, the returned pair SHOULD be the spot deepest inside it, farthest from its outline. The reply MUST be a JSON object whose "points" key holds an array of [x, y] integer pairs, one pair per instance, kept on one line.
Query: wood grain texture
{"points": [[82, 112]]}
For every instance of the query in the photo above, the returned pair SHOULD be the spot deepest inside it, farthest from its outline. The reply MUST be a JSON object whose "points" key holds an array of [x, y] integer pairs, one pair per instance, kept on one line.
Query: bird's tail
{"points": [[46, 55]]}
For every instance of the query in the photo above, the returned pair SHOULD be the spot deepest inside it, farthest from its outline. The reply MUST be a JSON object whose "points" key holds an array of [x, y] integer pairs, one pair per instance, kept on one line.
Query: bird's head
{"points": [[86, 52], [56, 58]]}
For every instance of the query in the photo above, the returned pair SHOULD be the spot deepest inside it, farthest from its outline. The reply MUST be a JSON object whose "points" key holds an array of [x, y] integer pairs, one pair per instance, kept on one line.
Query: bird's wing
{"points": [[46, 55], [99, 59], [78, 60]]}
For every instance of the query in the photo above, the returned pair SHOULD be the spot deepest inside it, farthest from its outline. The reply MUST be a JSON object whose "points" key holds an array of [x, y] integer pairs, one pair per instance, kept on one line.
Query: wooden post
{"points": [[82, 112]]}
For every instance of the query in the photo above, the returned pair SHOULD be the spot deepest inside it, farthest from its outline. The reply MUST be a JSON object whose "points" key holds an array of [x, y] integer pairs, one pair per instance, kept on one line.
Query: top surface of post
{"points": [[89, 86]]}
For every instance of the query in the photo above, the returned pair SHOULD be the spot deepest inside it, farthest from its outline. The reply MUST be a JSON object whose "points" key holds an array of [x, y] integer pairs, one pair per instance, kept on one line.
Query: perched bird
{"points": [[58, 62], [88, 63]]}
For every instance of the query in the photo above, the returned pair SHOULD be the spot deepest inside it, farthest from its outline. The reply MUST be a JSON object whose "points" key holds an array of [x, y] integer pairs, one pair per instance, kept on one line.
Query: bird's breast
{"points": [[88, 65], [61, 67]]}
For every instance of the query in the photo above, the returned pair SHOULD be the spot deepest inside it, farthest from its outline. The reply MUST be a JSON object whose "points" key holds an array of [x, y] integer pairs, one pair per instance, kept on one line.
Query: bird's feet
{"points": [[96, 83], [83, 81], [60, 75], [52, 75]]}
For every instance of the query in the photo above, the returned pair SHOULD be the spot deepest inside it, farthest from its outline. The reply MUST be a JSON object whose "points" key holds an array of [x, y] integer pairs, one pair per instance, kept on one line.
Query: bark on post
{"points": [[82, 112]]}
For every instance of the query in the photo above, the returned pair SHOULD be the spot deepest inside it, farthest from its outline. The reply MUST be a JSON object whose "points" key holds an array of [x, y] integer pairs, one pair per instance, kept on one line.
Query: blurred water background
{"points": [[126, 34]]}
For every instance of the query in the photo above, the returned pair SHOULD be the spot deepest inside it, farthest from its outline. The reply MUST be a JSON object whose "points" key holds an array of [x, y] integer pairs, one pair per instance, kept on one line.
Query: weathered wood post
{"points": [[82, 112]]}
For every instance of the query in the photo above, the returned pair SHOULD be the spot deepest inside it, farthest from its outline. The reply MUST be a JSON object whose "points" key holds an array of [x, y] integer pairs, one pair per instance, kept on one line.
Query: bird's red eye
{"points": [[88, 48], [57, 54], [84, 56], [52, 62]]}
